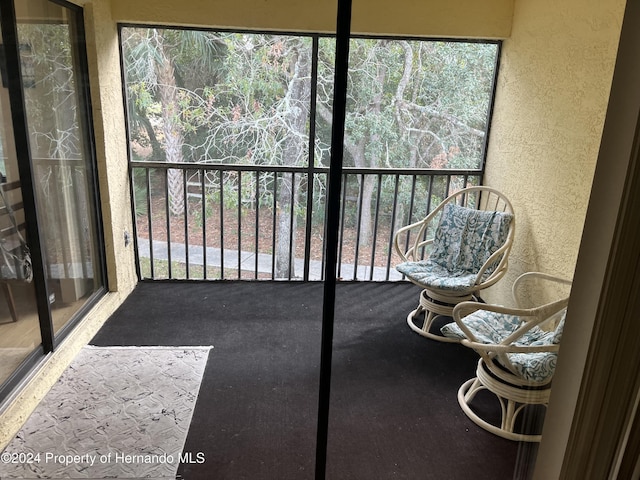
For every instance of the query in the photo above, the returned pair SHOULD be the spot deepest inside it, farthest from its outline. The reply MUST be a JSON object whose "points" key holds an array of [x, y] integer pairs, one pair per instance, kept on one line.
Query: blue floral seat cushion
{"points": [[464, 240], [493, 328], [433, 275]]}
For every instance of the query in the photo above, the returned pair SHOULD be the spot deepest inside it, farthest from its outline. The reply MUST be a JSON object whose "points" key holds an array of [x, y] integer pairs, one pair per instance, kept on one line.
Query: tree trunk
{"points": [[286, 227], [156, 148], [366, 228], [171, 129], [294, 153], [374, 161]]}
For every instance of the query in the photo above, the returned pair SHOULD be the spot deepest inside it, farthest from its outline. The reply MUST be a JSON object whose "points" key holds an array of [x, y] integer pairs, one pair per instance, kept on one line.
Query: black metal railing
{"points": [[223, 221]]}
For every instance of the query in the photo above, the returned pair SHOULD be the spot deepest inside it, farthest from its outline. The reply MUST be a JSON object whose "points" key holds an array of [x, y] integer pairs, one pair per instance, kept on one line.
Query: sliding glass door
{"points": [[59, 137], [19, 326], [49, 182]]}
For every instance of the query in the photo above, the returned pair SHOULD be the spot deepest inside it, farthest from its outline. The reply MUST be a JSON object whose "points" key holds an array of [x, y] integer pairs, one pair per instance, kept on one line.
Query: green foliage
{"points": [[410, 103]]}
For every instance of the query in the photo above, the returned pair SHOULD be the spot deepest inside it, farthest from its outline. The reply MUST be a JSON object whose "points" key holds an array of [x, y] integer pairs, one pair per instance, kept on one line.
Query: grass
{"points": [[196, 272]]}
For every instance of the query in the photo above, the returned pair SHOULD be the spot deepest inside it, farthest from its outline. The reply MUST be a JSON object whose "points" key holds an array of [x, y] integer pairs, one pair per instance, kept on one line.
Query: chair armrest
{"points": [[519, 283], [411, 253], [402, 233], [532, 317], [465, 308]]}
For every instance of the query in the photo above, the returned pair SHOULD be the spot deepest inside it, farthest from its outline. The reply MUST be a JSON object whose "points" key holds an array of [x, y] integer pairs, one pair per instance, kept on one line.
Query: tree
{"points": [[151, 67], [296, 118], [410, 104]]}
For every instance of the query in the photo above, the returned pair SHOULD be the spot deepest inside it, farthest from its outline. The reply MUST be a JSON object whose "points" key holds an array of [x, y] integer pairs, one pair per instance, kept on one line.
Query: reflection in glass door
{"points": [[60, 141]]}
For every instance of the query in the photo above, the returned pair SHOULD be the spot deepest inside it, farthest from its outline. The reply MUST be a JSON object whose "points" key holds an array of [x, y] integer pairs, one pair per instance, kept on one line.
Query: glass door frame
{"points": [[10, 41]]}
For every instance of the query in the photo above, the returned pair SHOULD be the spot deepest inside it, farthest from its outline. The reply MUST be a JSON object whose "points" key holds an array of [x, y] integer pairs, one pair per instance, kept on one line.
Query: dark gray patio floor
{"points": [[393, 413]]}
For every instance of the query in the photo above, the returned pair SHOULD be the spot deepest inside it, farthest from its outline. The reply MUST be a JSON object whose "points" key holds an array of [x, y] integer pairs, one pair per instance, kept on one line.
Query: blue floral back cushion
{"points": [[463, 241]]}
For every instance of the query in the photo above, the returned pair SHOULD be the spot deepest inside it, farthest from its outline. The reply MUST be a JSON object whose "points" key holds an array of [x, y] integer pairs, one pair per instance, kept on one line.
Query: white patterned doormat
{"points": [[116, 412]]}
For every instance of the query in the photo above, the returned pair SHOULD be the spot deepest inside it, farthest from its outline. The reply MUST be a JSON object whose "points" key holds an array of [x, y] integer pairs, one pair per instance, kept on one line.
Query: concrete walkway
{"points": [[248, 261]]}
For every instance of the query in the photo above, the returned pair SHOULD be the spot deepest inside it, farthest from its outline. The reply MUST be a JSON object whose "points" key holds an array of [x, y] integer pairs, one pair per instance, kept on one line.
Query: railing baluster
{"points": [[186, 222], [168, 221], [257, 230], [150, 222], [222, 224], [358, 227], [414, 180], [374, 240], [430, 194], [274, 230], [429, 198], [204, 223], [308, 233], [239, 232], [291, 224], [393, 226], [345, 179]]}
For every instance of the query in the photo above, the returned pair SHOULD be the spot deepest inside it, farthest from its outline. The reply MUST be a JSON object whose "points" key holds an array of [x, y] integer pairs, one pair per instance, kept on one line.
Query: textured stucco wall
{"points": [[551, 100], [110, 139], [111, 146], [451, 18]]}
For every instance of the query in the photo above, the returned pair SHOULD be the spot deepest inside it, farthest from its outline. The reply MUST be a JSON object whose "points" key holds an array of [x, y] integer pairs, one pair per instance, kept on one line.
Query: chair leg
{"points": [[512, 400], [8, 294], [510, 413], [431, 311]]}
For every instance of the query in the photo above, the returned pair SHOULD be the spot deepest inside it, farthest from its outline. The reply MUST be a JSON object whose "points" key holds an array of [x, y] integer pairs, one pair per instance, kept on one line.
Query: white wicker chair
{"points": [[460, 248], [517, 356]]}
